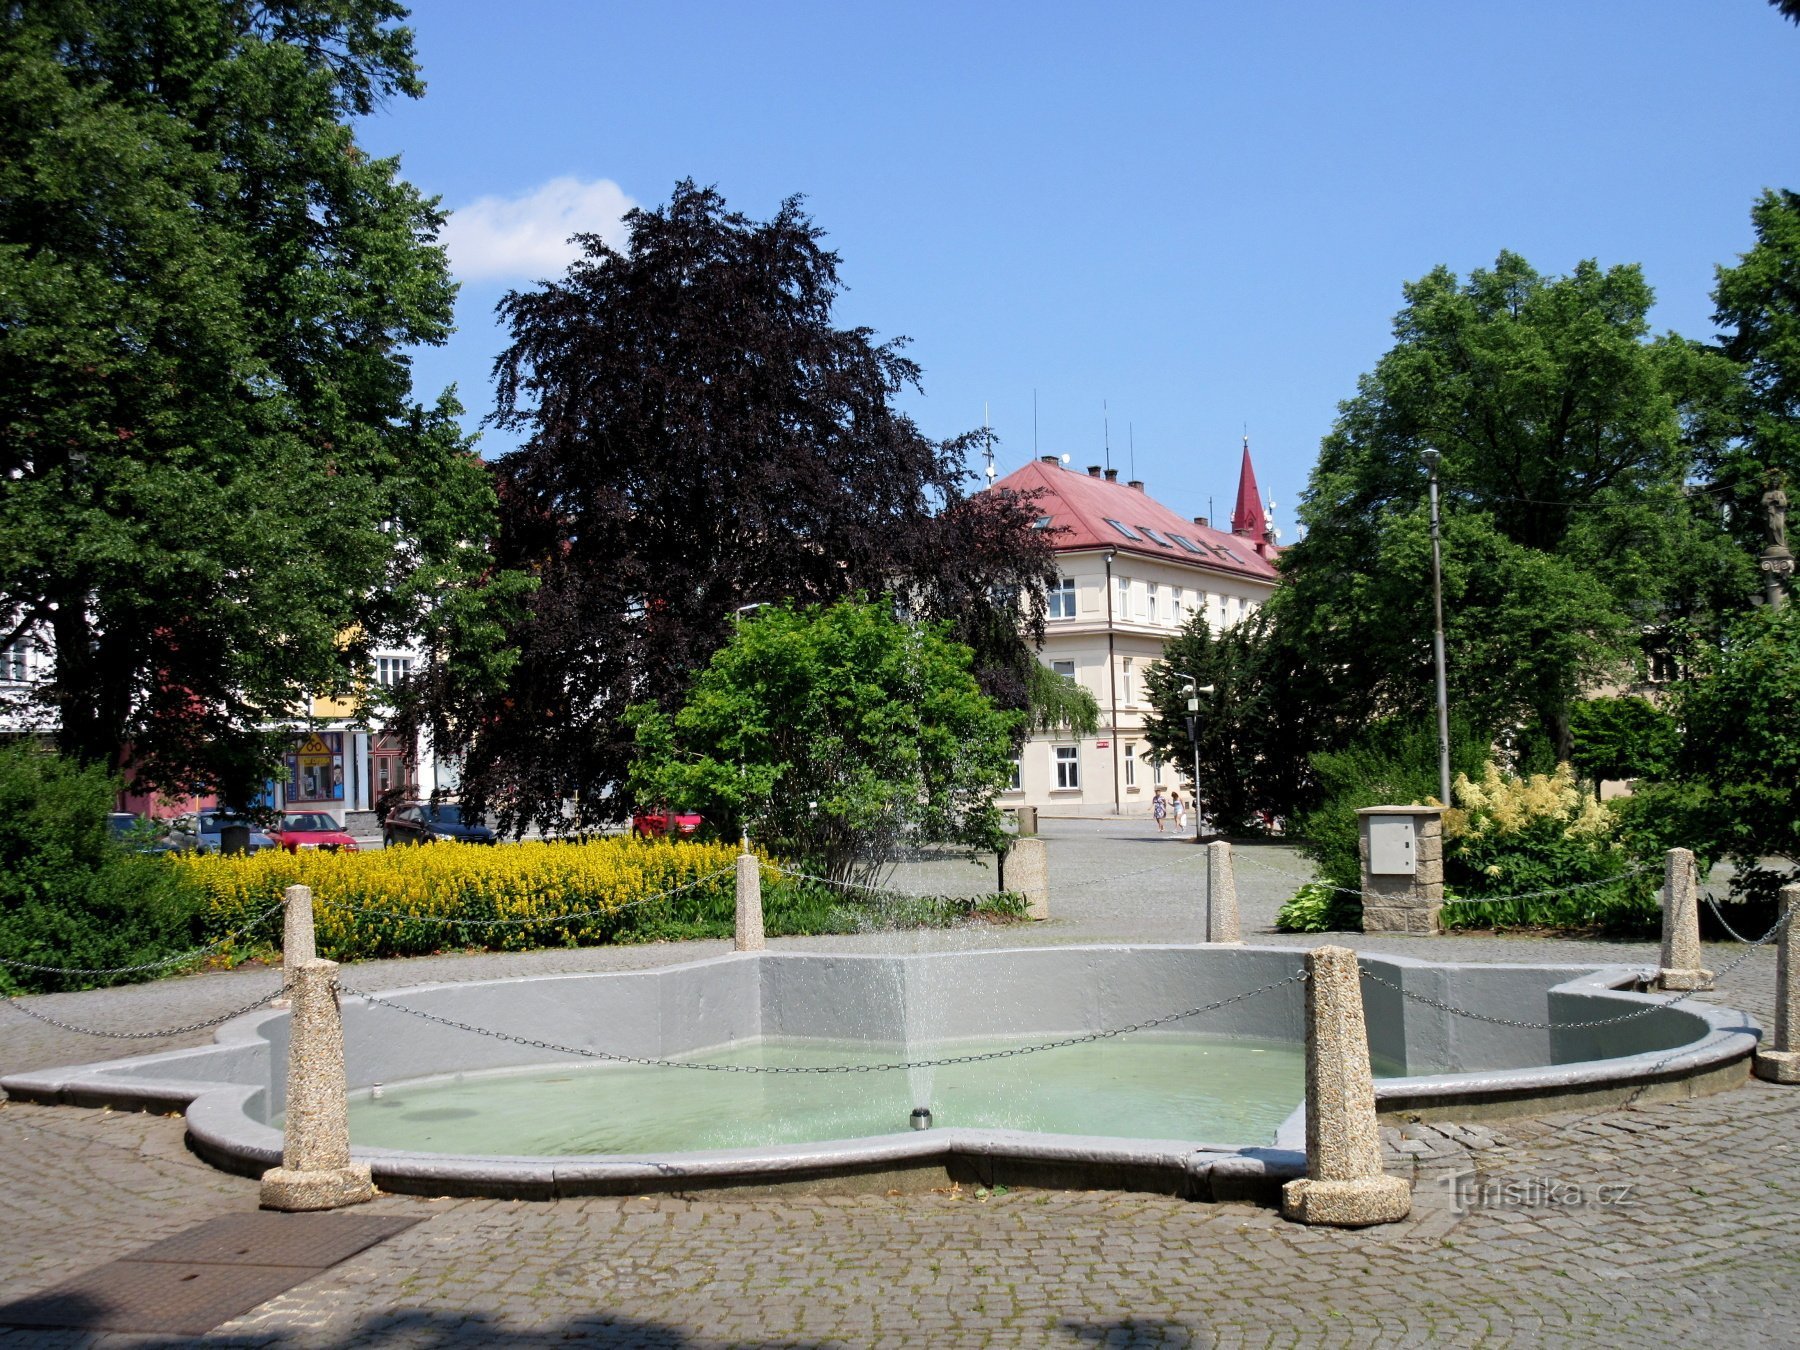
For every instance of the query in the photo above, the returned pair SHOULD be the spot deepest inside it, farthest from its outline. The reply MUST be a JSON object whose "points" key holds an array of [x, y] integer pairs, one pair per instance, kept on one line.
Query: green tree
{"points": [[1621, 738], [1757, 308], [1741, 744], [701, 436], [835, 735], [1567, 436], [216, 490]]}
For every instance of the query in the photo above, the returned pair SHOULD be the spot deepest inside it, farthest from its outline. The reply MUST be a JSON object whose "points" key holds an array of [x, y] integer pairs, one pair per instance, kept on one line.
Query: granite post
{"points": [[316, 1171], [297, 944], [1780, 1063], [749, 937], [1221, 895], [1028, 873], [1681, 967], [1402, 851], [1344, 1185]]}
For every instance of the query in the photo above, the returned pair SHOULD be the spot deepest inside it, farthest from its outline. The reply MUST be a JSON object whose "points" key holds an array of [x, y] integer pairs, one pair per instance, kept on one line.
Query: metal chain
{"points": [[711, 1067], [1723, 921], [876, 891], [1644, 1011], [164, 964], [145, 1035], [1499, 899], [540, 919]]}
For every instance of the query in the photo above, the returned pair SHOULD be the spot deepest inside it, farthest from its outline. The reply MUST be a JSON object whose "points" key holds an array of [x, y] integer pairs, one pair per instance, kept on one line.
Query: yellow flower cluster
{"points": [[1503, 804], [392, 902]]}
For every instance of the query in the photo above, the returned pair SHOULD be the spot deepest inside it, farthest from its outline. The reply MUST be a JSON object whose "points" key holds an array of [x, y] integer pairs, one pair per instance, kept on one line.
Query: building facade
{"points": [[1132, 573]]}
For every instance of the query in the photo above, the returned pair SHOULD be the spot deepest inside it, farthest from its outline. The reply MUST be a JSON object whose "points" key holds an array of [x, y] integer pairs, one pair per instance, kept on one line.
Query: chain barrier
{"points": [[447, 920], [145, 1035], [1723, 921], [163, 964], [876, 892], [1490, 899], [706, 1066], [1636, 1013]]}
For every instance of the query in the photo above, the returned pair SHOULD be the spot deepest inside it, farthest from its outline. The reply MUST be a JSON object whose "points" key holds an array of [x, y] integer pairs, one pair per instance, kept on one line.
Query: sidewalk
{"points": [[1626, 1224]]}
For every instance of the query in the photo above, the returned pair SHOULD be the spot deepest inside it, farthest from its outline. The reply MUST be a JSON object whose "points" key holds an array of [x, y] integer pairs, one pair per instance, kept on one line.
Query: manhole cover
{"points": [[190, 1283]]}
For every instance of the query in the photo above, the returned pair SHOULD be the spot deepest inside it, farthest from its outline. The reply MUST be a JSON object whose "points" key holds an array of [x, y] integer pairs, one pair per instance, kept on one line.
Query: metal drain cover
{"points": [[190, 1283]]}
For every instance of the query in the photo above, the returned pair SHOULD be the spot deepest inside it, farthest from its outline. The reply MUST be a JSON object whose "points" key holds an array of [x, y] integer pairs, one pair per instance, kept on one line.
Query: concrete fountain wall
{"points": [[1450, 1065]]}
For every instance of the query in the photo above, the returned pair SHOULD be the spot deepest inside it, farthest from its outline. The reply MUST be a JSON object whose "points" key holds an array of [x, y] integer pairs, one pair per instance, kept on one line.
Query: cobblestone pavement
{"points": [[1673, 1220]]}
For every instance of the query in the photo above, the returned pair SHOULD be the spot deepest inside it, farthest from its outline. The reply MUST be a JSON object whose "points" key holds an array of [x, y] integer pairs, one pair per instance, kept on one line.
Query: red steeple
{"points": [[1248, 517]]}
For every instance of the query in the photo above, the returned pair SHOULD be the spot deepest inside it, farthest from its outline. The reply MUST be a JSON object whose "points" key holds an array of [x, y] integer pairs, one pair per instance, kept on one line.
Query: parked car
{"points": [[210, 822], [422, 822], [312, 829], [148, 834], [659, 824]]}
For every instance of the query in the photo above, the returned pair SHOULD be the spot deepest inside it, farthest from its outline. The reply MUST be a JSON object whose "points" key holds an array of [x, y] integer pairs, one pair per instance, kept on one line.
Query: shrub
{"points": [[1512, 836], [396, 902], [70, 894], [1319, 907]]}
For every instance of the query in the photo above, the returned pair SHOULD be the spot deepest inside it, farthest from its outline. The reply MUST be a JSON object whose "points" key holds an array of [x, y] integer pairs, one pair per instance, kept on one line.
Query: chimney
{"points": [[1137, 483], [1093, 471], [1112, 475], [1202, 522], [1047, 459]]}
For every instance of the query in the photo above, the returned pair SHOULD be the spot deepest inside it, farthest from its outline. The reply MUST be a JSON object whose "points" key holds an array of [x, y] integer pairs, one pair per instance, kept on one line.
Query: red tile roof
{"points": [[1081, 508]]}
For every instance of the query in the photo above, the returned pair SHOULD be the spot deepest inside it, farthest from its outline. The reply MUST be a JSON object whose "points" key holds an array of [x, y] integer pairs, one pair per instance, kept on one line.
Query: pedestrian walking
{"points": [[1159, 807], [1180, 810]]}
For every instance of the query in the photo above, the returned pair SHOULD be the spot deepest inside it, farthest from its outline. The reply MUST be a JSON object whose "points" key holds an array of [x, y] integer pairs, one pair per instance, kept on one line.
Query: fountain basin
{"points": [[1439, 1064]]}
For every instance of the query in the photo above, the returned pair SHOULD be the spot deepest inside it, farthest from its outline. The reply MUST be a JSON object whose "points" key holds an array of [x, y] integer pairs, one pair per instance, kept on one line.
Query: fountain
{"points": [[1135, 1111]]}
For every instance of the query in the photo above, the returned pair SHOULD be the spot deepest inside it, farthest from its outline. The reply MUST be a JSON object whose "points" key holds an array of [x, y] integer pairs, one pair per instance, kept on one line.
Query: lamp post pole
{"points": [[1194, 690], [1431, 458]]}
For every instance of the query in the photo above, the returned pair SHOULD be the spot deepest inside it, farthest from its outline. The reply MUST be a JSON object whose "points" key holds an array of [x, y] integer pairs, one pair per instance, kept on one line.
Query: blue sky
{"points": [[1199, 215]]}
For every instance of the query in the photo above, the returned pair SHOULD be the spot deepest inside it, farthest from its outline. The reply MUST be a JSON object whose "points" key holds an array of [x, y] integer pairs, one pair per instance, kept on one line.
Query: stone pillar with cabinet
{"points": [[1402, 851]]}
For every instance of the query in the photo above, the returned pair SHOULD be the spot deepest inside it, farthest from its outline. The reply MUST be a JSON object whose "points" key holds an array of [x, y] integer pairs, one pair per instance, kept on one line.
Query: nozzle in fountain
{"points": [[921, 1118]]}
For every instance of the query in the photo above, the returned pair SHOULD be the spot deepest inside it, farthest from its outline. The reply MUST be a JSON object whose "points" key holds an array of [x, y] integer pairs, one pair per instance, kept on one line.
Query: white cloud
{"points": [[527, 238]]}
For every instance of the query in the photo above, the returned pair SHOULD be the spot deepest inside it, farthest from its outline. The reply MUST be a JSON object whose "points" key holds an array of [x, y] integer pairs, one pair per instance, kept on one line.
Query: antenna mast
{"points": [[987, 444], [1106, 431]]}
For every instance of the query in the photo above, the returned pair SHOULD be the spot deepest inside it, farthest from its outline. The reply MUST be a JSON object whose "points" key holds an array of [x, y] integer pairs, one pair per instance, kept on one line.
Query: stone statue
{"points": [[1775, 502]]}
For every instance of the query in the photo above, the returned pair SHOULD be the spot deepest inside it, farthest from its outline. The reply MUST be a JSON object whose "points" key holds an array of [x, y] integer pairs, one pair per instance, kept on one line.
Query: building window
{"points": [[1125, 681], [1131, 764], [1062, 599], [1156, 772], [1123, 607], [390, 670], [1150, 601], [15, 661], [1068, 771], [1177, 615], [1016, 783], [1125, 530], [1064, 668]]}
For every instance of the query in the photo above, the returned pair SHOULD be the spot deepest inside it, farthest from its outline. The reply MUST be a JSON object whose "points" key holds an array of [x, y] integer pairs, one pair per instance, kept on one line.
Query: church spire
{"points": [[1248, 517]]}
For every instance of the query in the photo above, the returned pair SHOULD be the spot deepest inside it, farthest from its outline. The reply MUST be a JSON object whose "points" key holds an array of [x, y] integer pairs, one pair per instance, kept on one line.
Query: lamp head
{"points": [[1431, 458]]}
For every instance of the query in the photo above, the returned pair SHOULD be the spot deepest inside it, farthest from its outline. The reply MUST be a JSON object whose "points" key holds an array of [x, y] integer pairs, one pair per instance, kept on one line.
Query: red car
{"points": [[658, 824], [312, 829]]}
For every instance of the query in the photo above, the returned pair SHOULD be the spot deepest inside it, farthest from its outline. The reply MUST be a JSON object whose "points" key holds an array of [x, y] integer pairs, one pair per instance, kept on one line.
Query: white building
{"points": [[1132, 573]]}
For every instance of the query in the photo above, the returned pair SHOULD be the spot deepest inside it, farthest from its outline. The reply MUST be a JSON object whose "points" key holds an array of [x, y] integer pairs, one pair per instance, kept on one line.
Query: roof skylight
{"points": [[1153, 536], [1125, 530], [1188, 544]]}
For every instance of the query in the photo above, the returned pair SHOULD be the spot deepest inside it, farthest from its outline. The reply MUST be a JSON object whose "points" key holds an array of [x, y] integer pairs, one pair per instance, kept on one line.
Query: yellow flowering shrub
{"points": [[1502, 804], [1540, 853], [510, 897]]}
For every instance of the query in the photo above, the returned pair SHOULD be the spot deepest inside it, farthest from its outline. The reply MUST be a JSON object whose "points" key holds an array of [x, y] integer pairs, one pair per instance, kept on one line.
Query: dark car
{"points": [[146, 834], [422, 822]]}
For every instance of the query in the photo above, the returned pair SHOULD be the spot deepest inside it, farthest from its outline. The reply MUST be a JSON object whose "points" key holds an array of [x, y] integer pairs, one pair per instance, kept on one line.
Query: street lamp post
{"points": [[1431, 458], [1194, 690]]}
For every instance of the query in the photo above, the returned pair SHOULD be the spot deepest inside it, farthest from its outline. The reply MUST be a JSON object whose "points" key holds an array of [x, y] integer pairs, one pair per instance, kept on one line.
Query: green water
{"points": [[1195, 1088]]}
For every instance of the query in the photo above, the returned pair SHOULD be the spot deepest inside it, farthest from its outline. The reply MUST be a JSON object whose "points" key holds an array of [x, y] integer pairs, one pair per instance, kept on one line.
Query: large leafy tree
{"points": [[837, 735], [700, 437], [1568, 434], [1758, 310], [215, 487], [1741, 745]]}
